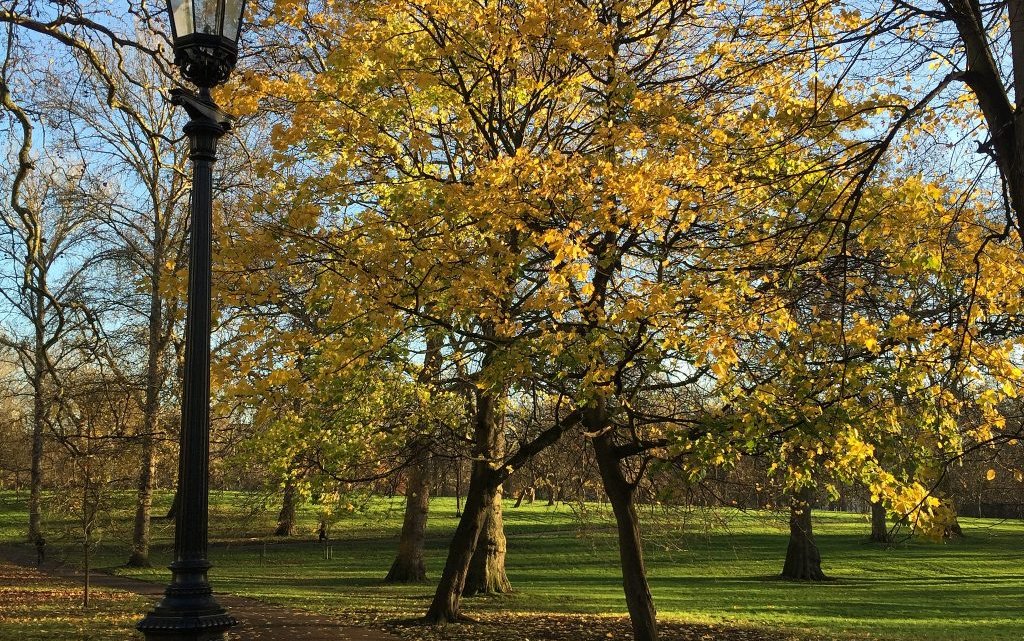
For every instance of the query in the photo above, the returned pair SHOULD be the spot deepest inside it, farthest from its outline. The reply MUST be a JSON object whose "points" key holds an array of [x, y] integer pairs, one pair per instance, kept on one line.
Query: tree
{"points": [[987, 62], [141, 226], [43, 228], [880, 532], [540, 183], [408, 566], [93, 422], [803, 561], [119, 126]]}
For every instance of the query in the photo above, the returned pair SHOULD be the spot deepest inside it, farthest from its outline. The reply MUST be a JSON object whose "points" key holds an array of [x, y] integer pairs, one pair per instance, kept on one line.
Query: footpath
{"points": [[258, 621]]}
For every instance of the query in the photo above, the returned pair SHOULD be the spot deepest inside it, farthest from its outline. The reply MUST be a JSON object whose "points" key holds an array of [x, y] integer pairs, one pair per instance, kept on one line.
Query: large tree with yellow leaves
{"points": [[614, 200]]}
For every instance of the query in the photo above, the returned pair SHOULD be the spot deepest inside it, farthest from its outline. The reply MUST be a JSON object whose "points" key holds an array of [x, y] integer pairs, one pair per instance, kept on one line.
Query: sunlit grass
{"points": [[37, 607], [714, 566]]}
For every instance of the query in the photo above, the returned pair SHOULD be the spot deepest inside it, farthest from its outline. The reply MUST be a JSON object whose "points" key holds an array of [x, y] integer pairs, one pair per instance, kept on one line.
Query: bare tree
{"points": [[42, 271], [138, 192]]}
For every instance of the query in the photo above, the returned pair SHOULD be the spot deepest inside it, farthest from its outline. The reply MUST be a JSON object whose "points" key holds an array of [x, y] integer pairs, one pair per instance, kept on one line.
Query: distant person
{"points": [[323, 532]]}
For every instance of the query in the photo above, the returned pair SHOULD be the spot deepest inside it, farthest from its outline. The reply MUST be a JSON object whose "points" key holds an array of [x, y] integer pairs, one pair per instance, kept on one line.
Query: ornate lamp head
{"points": [[205, 38]]}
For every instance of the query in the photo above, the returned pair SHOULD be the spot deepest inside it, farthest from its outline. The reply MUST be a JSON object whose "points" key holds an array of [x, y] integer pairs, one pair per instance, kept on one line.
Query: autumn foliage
{"points": [[683, 235]]}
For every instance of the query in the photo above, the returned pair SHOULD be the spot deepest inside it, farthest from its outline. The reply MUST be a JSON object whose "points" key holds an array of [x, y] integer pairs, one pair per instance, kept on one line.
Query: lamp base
{"points": [[186, 626], [188, 611]]}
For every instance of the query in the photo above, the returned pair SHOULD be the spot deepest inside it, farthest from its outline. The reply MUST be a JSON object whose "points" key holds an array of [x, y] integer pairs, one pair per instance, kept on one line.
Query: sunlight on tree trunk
{"points": [[409, 566], [803, 561], [487, 569], [620, 491]]}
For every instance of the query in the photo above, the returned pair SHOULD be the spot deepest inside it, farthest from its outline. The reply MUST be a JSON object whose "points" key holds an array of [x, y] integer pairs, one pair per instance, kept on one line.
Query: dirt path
{"points": [[258, 621]]}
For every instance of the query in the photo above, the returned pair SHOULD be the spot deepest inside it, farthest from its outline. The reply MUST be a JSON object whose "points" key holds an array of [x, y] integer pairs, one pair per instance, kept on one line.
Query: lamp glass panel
{"points": [[233, 10], [181, 14], [206, 17]]}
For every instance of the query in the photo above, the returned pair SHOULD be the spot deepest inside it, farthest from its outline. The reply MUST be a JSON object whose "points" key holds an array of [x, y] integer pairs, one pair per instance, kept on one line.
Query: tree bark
{"points": [[151, 411], [621, 495], [445, 608], [483, 486], [286, 517], [147, 471], [38, 422], [803, 560], [953, 531], [409, 566], [879, 524], [87, 574], [139, 557], [175, 502], [984, 77], [458, 488], [487, 569]]}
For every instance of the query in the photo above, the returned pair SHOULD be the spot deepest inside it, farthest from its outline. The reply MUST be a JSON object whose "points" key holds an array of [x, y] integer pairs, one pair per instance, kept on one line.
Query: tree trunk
{"points": [[803, 561], [879, 524], [87, 575], [38, 421], [953, 531], [139, 557], [175, 502], [409, 566], [151, 417], [458, 488], [88, 518], [286, 517], [621, 494], [984, 77], [483, 486], [487, 569]]}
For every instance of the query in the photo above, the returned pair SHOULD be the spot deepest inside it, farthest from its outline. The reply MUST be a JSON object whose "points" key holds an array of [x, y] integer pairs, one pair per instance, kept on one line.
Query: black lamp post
{"points": [[205, 39]]}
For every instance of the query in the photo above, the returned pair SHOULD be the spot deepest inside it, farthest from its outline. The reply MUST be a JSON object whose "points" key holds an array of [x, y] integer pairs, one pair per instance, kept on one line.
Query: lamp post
{"points": [[205, 40]]}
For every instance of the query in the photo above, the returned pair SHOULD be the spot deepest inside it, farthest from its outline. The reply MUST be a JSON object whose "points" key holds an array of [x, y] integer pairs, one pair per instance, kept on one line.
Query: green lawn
{"points": [[37, 607], [704, 567]]}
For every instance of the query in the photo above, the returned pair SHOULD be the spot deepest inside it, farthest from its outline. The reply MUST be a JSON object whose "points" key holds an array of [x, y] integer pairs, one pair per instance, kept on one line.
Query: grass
{"points": [[37, 607], [714, 567]]}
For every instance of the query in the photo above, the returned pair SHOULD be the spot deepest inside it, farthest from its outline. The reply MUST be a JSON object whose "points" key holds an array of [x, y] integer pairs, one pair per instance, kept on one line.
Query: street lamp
{"points": [[205, 40]]}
